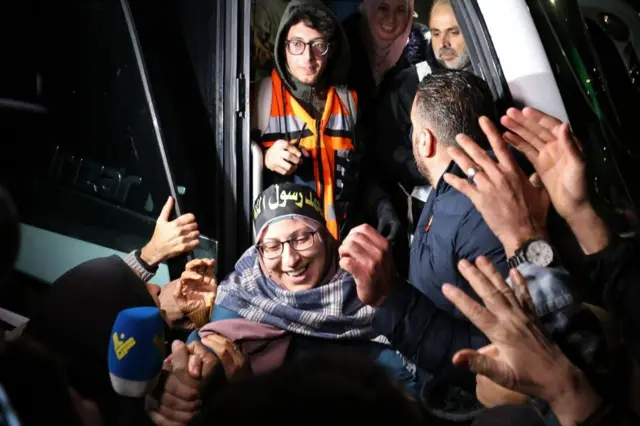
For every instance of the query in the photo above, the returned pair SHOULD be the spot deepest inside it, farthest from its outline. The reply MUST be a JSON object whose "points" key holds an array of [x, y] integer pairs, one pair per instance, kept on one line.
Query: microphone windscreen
{"points": [[136, 350]]}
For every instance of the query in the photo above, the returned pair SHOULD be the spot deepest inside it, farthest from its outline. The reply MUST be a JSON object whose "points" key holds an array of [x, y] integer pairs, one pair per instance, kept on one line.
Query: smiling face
{"points": [[390, 19], [295, 270], [308, 66], [447, 40]]}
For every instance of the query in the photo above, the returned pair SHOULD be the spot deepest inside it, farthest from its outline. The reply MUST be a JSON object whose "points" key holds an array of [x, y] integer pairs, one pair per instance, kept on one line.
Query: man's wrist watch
{"points": [[535, 251]]}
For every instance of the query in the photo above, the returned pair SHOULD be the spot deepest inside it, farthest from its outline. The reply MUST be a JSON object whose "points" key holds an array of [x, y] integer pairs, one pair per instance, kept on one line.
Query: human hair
{"points": [[450, 102], [328, 388], [321, 22]]}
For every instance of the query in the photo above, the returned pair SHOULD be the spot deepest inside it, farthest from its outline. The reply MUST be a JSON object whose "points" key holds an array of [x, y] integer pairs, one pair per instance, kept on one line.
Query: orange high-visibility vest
{"points": [[329, 141]]}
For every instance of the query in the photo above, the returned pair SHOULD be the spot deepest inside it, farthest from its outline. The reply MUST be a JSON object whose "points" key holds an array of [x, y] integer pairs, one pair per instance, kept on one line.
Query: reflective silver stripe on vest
{"points": [[331, 212], [339, 122], [289, 123]]}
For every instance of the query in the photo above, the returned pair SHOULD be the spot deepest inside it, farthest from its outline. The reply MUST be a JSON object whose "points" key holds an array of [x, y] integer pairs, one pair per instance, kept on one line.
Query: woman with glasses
{"points": [[287, 296]]}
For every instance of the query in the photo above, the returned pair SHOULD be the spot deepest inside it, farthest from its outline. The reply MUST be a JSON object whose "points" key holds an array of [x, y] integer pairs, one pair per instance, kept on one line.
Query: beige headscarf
{"points": [[384, 54]]}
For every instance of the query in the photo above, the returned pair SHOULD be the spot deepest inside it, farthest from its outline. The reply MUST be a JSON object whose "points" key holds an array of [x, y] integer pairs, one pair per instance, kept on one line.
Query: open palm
{"points": [[521, 357], [549, 146], [197, 286]]}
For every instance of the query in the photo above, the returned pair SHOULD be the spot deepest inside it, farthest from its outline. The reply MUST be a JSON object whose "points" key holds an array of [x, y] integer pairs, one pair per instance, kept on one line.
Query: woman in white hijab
{"points": [[384, 40]]}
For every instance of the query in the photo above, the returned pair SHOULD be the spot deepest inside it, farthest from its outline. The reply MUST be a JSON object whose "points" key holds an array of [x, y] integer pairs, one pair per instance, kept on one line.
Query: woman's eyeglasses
{"points": [[297, 47], [273, 249]]}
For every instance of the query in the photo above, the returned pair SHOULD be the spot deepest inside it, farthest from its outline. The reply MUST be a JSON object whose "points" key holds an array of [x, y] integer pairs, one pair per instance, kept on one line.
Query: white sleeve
{"points": [[262, 106], [423, 70]]}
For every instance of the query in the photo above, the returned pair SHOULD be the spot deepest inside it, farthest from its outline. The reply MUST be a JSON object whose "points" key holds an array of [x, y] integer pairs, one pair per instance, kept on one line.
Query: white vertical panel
{"points": [[522, 55]]}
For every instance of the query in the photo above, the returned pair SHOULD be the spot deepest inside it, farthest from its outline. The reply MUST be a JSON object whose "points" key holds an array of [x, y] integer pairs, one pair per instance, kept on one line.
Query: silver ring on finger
{"points": [[472, 172]]}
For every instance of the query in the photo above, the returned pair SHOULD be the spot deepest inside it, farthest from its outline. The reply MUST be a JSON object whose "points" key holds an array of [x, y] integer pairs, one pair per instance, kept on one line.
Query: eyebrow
{"points": [[292, 235], [310, 41], [457, 27]]}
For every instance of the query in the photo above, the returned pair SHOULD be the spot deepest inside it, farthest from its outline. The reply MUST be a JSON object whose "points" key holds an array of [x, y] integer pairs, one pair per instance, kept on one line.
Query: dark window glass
{"points": [[88, 166], [594, 101], [86, 159]]}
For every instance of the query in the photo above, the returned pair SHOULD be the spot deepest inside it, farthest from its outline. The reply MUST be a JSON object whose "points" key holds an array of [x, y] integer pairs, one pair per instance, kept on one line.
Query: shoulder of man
{"points": [[451, 211]]}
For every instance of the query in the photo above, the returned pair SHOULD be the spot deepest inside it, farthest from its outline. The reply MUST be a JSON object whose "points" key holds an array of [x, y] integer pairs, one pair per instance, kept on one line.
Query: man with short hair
{"points": [[418, 320], [449, 228], [446, 38], [305, 117]]}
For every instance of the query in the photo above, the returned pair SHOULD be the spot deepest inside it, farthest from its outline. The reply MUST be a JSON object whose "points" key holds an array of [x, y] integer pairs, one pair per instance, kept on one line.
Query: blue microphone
{"points": [[136, 351]]}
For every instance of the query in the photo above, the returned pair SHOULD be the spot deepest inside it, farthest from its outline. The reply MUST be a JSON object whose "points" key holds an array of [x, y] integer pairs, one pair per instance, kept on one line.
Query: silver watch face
{"points": [[539, 253]]}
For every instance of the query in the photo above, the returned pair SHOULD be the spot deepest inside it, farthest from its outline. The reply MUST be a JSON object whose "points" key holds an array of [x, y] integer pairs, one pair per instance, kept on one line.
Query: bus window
{"points": [[594, 110], [86, 174]]}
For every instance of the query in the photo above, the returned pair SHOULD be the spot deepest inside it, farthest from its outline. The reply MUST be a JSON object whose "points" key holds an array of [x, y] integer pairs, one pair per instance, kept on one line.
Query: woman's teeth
{"points": [[297, 272]]}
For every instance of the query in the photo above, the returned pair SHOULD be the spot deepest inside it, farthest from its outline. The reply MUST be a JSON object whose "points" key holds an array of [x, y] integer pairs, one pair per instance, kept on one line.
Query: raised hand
{"points": [[550, 147], [171, 238], [197, 286], [512, 206], [365, 254], [528, 361]]}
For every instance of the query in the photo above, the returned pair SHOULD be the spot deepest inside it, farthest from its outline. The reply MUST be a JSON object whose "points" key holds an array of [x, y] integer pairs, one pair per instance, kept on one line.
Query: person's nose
{"points": [[290, 257], [446, 42], [308, 53], [391, 19]]}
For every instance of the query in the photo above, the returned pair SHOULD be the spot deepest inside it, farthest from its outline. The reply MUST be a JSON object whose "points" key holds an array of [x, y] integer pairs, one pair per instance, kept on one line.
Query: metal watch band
{"points": [[517, 259]]}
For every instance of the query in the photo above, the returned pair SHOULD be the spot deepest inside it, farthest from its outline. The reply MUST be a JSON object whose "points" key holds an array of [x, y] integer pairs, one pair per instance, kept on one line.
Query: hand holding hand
{"points": [[171, 238], [191, 367], [233, 360]]}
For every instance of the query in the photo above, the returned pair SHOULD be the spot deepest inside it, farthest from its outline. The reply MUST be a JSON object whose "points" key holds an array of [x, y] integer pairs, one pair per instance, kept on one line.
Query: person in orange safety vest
{"points": [[305, 117]]}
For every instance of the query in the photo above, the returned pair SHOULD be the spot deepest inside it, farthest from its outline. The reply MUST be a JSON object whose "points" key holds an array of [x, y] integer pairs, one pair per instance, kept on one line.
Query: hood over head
{"points": [[337, 70]]}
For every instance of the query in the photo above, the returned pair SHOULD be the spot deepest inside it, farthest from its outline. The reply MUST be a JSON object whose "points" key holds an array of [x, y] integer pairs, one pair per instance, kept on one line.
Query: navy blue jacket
{"points": [[420, 322], [456, 231]]}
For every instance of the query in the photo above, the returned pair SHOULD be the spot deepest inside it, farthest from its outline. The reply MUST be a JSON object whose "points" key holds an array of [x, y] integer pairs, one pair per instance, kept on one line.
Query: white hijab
{"points": [[384, 54]]}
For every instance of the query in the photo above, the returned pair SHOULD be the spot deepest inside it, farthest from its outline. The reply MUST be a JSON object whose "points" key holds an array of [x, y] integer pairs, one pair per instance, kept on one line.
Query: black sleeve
{"points": [[426, 335], [370, 192], [391, 141], [616, 269]]}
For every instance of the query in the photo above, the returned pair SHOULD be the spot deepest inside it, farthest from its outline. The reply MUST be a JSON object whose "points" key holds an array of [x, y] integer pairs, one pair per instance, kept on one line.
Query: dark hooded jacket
{"points": [[313, 97]]}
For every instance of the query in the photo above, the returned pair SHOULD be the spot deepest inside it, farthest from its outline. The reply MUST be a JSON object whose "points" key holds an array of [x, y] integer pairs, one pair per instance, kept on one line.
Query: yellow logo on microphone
{"points": [[122, 346]]}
